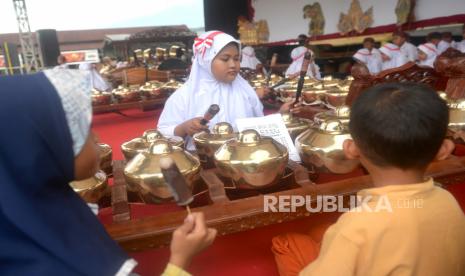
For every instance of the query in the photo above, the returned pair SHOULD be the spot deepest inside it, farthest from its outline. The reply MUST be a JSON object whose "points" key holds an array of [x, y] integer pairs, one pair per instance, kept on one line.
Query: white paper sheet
{"points": [[272, 126]]}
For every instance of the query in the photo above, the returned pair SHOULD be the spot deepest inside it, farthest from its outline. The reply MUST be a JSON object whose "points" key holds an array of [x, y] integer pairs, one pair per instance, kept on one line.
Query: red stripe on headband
{"points": [[363, 54], [201, 44], [429, 48], [391, 49]]}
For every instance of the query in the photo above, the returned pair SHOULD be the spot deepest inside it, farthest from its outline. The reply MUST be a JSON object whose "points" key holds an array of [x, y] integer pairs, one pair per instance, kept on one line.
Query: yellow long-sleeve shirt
{"points": [[424, 234], [172, 270]]}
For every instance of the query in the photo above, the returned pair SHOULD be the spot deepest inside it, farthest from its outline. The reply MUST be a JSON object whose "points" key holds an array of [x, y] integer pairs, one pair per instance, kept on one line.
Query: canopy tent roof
{"points": [[164, 33]]}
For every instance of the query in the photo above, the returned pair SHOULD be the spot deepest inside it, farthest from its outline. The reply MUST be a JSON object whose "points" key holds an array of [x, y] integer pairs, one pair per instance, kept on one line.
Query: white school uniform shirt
{"points": [[298, 55], [460, 46], [410, 51], [236, 99], [97, 81], [431, 53], [397, 58], [249, 60], [372, 59], [443, 46]]}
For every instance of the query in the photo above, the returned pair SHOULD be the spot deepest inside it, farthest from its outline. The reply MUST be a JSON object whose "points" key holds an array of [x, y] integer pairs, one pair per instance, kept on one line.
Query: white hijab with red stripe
{"points": [[372, 59], [431, 53], [249, 60], [297, 56], [236, 99], [396, 57]]}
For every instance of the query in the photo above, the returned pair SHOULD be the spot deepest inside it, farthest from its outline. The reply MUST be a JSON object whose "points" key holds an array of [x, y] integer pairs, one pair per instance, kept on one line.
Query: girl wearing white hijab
{"points": [[427, 54], [249, 60], [392, 56], [297, 56], [213, 79], [370, 56]]}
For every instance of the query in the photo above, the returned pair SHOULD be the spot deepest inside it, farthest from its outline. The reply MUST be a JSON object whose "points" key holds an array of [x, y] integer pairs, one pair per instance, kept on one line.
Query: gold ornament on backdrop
{"points": [[317, 20], [404, 11], [252, 33], [355, 20]]}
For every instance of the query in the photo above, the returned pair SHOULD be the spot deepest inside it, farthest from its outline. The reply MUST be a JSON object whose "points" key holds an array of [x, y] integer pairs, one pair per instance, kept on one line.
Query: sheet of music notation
{"points": [[272, 126]]}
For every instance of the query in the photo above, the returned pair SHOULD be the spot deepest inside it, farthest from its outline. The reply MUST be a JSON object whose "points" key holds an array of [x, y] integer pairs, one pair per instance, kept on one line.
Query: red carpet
{"points": [[244, 253], [115, 129]]}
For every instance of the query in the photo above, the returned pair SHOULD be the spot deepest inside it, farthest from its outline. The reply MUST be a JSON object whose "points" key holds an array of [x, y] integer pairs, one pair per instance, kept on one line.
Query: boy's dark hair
{"points": [[399, 125], [446, 35], [400, 34], [302, 39], [433, 35], [369, 39]]}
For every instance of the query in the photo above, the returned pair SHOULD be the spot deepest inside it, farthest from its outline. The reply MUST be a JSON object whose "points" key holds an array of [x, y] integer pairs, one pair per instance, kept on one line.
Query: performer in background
{"points": [[249, 60], [370, 56], [446, 42], [434, 38], [408, 49], [461, 45], [174, 63], [427, 54], [297, 56], [392, 56], [97, 81]]}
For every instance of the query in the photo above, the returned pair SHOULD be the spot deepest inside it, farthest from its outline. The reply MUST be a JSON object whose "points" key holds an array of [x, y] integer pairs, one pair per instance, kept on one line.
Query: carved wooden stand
{"points": [[230, 216], [451, 64], [409, 72]]}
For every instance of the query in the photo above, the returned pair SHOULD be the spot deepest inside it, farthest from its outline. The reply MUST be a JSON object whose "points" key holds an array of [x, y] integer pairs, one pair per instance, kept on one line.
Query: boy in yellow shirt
{"points": [[397, 130]]}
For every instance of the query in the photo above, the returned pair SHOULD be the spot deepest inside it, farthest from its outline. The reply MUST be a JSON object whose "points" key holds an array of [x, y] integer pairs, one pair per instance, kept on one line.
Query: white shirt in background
{"points": [[460, 46], [443, 46], [431, 53], [410, 51], [397, 58], [298, 55], [372, 59]]}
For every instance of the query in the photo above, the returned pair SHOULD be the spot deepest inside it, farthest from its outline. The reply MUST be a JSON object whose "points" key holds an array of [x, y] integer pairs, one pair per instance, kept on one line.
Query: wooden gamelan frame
{"points": [[230, 216]]}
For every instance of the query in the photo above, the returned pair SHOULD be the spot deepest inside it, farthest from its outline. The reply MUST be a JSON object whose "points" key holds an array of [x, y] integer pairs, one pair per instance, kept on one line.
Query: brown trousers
{"points": [[294, 251]]}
